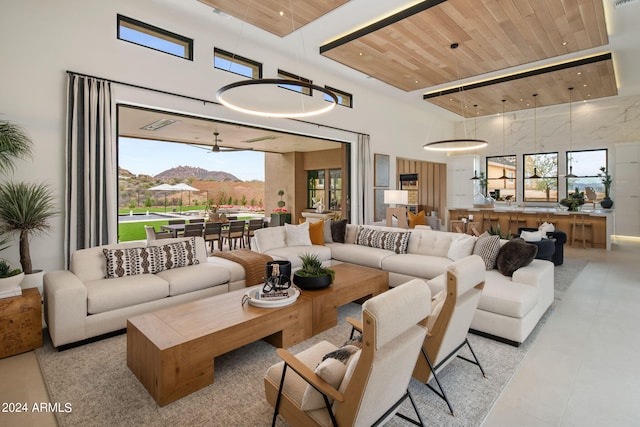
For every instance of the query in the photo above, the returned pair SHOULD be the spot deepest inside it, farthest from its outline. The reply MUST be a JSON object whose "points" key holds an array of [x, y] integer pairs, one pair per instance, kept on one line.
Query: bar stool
{"points": [[489, 220], [578, 223], [517, 221], [456, 226]]}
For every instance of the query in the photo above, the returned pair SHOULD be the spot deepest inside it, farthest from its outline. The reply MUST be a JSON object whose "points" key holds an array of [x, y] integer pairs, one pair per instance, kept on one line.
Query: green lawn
{"points": [[128, 231]]}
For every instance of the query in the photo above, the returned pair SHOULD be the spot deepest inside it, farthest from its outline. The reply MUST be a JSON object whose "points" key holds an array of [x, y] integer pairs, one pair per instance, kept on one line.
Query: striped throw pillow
{"points": [[396, 241]]}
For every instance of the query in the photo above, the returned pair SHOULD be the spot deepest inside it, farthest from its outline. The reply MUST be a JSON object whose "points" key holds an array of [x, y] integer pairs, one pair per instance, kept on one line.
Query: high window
{"points": [[498, 187], [226, 61], [586, 165], [345, 99], [545, 187], [142, 34], [301, 89]]}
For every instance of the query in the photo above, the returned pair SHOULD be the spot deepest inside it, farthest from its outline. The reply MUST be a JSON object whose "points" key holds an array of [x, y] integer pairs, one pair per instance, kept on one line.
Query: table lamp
{"points": [[394, 198]]}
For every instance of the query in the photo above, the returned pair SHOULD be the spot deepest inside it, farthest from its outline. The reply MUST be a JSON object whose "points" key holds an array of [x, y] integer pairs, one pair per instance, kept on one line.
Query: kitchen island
{"points": [[511, 218]]}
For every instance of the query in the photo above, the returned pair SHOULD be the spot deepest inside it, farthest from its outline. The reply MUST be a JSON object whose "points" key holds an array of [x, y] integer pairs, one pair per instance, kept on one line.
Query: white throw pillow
{"points": [[297, 235], [546, 227], [461, 247], [269, 238], [532, 236], [332, 369]]}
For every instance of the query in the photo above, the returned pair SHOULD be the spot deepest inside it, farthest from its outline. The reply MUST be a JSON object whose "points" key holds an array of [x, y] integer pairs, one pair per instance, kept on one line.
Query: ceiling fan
{"points": [[216, 147]]}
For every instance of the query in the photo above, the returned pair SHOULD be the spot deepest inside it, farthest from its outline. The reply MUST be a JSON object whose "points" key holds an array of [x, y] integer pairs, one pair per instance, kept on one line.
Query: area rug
{"points": [[95, 381], [565, 274]]}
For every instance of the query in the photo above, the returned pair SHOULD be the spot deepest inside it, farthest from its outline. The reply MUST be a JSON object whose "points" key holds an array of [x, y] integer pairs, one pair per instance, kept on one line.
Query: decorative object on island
{"points": [[25, 208], [312, 275], [481, 200], [394, 198], [605, 176], [574, 200], [10, 279]]}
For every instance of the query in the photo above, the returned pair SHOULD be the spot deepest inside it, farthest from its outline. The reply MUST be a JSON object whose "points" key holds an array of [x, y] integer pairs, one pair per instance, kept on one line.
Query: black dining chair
{"points": [[235, 234], [193, 230], [254, 224], [212, 233]]}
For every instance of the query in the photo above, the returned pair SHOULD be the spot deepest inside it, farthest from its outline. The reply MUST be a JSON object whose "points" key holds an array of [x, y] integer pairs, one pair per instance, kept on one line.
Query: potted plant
{"points": [[280, 215], [26, 209], [312, 275], [574, 200], [605, 177], [10, 278]]}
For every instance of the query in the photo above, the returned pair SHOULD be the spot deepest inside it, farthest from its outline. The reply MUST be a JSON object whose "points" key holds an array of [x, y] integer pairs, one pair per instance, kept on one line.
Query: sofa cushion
{"points": [[266, 239], [532, 236], [327, 231], [111, 294], [316, 232], [422, 266], [514, 254], [130, 261], [487, 246], [175, 255], [297, 235], [338, 231], [90, 263], [292, 254], [501, 295], [200, 246], [431, 242], [417, 219], [395, 241], [461, 247], [194, 277], [361, 255]]}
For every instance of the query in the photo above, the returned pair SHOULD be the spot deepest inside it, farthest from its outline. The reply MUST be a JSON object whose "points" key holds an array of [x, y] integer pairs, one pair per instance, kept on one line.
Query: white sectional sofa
{"points": [[81, 303], [509, 308]]}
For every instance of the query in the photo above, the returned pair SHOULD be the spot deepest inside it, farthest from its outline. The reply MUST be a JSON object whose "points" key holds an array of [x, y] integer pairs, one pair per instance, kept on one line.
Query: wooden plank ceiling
{"points": [[411, 49], [275, 16]]}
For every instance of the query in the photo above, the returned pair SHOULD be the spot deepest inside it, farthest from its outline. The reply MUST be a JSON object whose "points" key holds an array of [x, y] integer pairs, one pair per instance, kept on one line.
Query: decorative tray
{"points": [[253, 296]]}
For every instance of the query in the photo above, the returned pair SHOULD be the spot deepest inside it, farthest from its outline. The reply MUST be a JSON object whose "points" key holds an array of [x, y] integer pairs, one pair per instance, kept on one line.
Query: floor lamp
{"points": [[394, 198]]}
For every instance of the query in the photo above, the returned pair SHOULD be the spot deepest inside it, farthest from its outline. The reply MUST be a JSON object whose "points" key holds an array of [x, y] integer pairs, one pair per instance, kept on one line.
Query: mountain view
{"points": [[218, 187]]}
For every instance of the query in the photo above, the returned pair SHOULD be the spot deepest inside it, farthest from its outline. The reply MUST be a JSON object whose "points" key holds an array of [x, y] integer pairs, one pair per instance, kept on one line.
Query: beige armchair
{"points": [[376, 378], [451, 314], [152, 234]]}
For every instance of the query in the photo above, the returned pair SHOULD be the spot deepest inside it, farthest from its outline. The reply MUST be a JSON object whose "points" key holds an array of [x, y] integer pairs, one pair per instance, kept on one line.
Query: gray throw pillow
{"points": [[514, 254]]}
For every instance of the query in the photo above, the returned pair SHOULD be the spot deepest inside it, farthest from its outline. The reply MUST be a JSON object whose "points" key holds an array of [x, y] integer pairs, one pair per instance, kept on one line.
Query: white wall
{"points": [[600, 123], [43, 39]]}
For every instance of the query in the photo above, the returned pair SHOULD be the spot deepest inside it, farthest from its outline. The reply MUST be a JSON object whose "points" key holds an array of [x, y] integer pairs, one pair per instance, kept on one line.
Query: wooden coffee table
{"points": [[352, 283], [172, 351]]}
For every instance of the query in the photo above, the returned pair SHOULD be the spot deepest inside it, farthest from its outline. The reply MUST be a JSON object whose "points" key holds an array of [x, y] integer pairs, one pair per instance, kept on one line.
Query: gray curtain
{"points": [[364, 181], [91, 190]]}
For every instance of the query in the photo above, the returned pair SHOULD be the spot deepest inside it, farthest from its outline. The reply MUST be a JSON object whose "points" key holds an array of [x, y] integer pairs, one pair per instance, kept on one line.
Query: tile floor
{"points": [[581, 371]]}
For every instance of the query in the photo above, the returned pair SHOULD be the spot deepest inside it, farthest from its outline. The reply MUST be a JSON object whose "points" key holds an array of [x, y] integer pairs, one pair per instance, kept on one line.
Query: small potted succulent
{"points": [[10, 278], [312, 275]]}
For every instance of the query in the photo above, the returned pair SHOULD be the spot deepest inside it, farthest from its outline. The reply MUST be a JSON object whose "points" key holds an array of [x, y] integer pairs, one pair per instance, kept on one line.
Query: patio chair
{"points": [[375, 378], [196, 221], [254, 224], [234, 234], [212, 233], [193, 230], [152, 234], [451, 313]]}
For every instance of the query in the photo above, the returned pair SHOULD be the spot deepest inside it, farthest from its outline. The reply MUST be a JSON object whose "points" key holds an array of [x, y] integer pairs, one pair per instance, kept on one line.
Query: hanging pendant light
{"points": [[475, 175], [458, 144], [570, 174], [504, 175], [535, 134]]}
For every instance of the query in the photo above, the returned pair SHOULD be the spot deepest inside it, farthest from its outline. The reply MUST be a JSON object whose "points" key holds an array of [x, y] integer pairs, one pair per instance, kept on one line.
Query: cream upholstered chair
{"points": [[451, 313], [152, 234], [376, 378]]}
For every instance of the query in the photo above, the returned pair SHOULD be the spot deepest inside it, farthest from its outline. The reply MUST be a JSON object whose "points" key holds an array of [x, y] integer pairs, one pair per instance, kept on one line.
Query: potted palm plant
{"points": [[312, 275], [25, 208]]}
